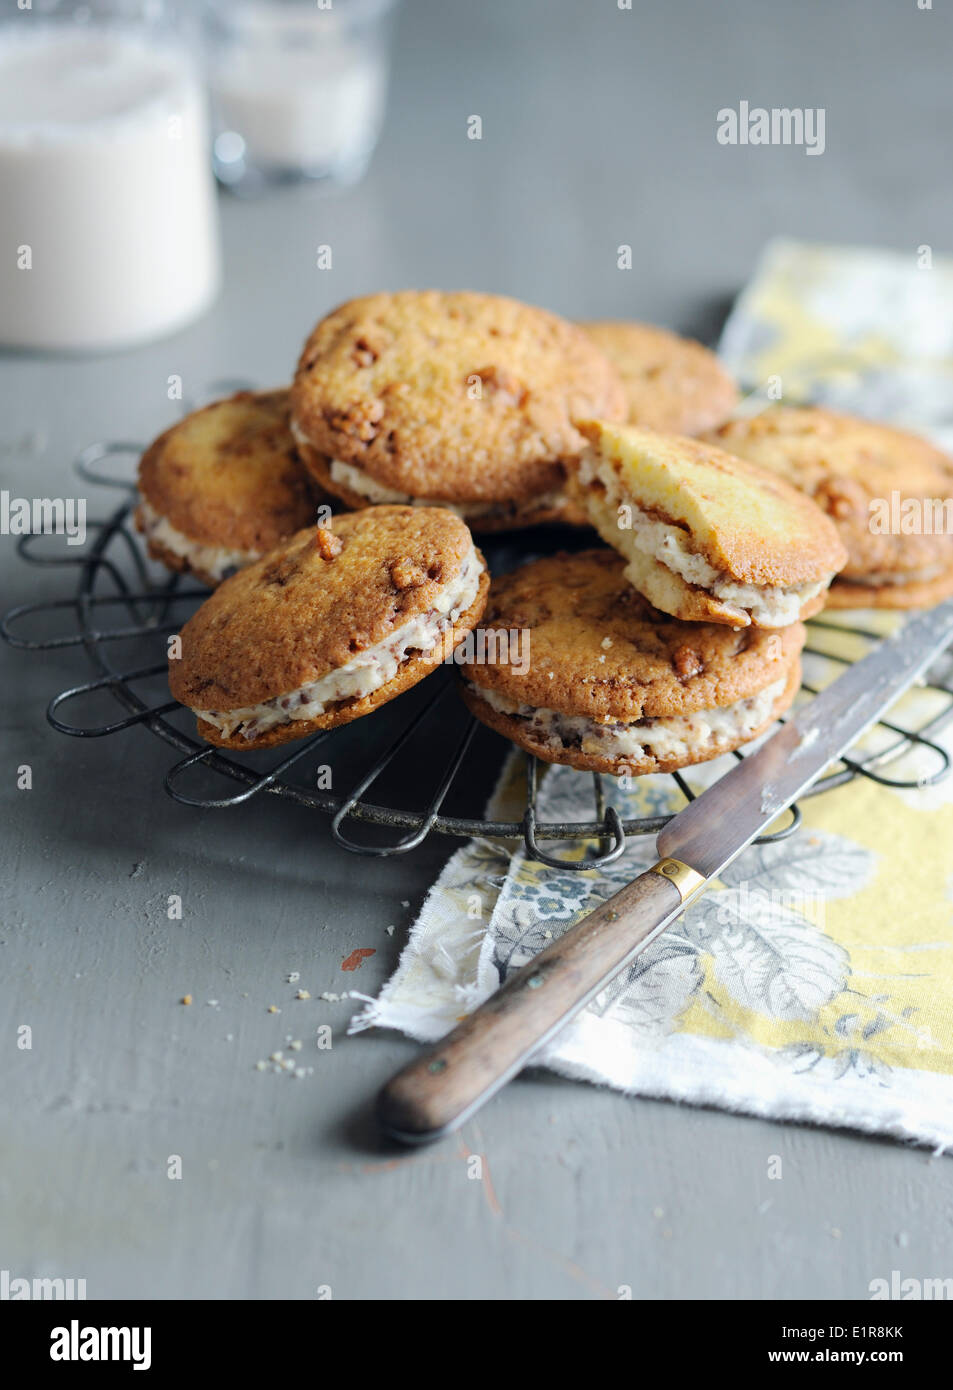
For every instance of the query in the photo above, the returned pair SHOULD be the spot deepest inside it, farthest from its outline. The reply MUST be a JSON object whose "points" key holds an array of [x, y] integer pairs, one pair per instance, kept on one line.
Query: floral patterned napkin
{"points": [[870, 332], [815, 980]]}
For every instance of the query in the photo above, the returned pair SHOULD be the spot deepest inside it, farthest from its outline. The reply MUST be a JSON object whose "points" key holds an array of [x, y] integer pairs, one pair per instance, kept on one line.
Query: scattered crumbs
{"points": [[303, 994], [903, 1240], [836, 1232], [229, 1037], [296, 1045], [273, 1009], [548, 934], [405, 903], [658, 1213], [606, 643], [552, 675], [245, 994], [288, 1037], [765, 1205], [276, 1056], [299, 1073], [602, 658], [390, 931], [294, 977], [78, 975], [212, 1003], [261, 1066], [186, 999]]}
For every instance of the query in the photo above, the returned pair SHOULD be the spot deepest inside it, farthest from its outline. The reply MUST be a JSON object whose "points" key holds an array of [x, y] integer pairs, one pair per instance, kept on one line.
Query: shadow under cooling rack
{"points": [[116, 601]]}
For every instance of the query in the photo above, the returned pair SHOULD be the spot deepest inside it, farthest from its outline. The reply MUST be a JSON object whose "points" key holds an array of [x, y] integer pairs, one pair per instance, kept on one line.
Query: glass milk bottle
{"points": [[108, 224]]}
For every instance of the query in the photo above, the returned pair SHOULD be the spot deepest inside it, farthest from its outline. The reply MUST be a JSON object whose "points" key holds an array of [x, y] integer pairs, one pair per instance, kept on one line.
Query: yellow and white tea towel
{"points": [[868, 332], [814, 982]]}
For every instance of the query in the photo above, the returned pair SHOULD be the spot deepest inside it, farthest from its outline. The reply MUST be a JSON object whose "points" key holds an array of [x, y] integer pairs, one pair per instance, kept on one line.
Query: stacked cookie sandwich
{"points": [[432, 414], [223, 486], [884, 489], [681, 642], [329, 626], [706, 535], [457, 400], [416, 409], [613, 684]]}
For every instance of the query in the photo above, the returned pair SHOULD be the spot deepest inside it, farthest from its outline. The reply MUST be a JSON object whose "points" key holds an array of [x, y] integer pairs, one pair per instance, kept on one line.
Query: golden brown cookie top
{"points": [[229, 474], [745, 520], [459, 396], [316, 602], [672, 384], [597, 648], [844, 463]]}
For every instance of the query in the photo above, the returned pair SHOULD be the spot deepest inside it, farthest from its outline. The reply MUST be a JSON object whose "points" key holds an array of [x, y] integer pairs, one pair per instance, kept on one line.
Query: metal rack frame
{"points": [[148, 608]]}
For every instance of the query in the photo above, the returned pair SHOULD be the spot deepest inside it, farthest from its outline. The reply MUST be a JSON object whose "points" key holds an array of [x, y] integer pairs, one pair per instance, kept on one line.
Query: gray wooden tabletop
{"points": [[598, 130]]}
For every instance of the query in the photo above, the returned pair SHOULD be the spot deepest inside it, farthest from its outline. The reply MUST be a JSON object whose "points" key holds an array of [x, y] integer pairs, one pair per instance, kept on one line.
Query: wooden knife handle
{"points": [[444, 1085]]}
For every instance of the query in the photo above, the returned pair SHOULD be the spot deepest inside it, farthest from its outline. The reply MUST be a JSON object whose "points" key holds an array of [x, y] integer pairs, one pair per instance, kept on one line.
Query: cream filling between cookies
{"points": [[772, 605], [369, 669], [673, 736], [357, 481], [217, 561]]}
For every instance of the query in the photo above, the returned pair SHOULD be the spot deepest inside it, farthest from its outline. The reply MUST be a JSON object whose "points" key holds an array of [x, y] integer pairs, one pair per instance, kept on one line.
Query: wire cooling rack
{"points": [[115, 578]]}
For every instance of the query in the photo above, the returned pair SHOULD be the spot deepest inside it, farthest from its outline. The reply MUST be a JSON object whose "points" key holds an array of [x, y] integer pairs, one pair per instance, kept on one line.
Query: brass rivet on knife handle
{"points": [[685, 878]]}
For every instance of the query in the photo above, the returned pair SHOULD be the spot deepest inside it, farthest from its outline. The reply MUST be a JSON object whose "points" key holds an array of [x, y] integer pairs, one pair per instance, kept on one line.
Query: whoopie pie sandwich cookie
{"points": [[451, 399], [615, 686], [672, 384], [330, 625], [873, 481], [225, 485], [707, 537]]}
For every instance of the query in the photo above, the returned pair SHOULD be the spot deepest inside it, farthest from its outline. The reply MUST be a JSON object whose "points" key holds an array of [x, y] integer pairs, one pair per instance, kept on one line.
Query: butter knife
{"points": [[449, 1081]]}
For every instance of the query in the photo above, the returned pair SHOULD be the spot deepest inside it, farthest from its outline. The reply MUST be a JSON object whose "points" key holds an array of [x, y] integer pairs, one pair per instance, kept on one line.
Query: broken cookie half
{"points": [[706, 536]]}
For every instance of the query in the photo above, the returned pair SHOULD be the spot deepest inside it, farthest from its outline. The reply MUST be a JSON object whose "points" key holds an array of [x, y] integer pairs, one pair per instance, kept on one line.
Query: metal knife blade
{"points": [[714, 828]]}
